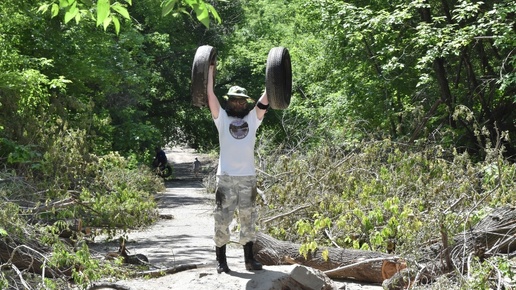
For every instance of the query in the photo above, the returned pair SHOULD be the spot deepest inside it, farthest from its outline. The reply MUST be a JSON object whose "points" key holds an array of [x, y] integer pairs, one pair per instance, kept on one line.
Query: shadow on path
{"points": [[184, 233]]}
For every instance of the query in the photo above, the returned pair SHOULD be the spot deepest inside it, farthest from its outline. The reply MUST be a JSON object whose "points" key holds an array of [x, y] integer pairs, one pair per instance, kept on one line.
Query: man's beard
{"points": [[237, 114]]}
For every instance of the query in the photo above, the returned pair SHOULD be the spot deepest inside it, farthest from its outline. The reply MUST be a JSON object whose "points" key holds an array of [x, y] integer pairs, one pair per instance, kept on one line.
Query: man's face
{"points": [[237, 107]]}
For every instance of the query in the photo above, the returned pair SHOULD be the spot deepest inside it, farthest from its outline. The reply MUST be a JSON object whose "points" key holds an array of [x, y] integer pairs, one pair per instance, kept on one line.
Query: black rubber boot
{"points": [[250, 262], [222, 264]]}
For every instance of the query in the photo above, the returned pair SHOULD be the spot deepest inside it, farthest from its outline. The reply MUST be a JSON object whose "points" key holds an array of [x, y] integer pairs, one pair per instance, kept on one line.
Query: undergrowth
{"points": [[53, 203], [385, 196]]}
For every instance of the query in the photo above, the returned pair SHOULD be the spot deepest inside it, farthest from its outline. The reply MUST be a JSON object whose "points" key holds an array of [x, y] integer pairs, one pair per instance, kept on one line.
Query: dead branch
{"points": [[31, 259], [493, 235], [287, 213], [167, 271], [104, 286]]}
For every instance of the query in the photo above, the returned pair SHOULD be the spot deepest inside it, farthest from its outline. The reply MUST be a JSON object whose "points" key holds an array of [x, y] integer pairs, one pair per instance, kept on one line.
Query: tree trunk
{"points": [[26, 258], [360, 265], [494, 234]]}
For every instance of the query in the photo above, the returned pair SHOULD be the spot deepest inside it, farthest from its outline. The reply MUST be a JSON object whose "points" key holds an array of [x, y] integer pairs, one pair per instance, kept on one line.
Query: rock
{"points": [[311, 278]]}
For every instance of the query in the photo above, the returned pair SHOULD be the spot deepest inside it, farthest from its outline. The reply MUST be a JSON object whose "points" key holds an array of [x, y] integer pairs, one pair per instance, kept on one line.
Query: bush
{"points": [[65, 183], [381, 195]]}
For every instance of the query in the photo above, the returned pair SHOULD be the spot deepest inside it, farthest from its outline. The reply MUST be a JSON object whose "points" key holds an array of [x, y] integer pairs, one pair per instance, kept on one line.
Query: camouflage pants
{"points": [[235, 192]]}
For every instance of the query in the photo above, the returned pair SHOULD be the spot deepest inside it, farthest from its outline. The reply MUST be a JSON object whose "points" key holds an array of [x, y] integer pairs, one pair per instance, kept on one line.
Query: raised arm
{"points": [[213, 102], [260, 113]]}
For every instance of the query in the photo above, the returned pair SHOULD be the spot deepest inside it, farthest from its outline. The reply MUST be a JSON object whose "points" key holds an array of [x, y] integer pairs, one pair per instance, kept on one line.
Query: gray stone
{"points": [[311, 278]]}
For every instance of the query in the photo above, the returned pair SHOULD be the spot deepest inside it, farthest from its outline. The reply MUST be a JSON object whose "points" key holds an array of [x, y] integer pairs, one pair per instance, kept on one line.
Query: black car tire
{"points": [[278, 78], [204, 57], [166, 172]]}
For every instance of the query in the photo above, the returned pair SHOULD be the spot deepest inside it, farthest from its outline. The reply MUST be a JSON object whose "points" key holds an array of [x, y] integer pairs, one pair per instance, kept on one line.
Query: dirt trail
{"points": [[186, 238]]}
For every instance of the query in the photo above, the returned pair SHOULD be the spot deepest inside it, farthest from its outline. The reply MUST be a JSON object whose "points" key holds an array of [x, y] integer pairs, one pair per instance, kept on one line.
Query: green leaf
{"points": [[325, 254], [168, 6], [3, 232], [106, 22], [70, 14], [214, 12], [121, 10], [202, 14], [55, 10], [43, 8], [116, 22], [129, 1], [102, 12], [63, 3], [77, 18]]}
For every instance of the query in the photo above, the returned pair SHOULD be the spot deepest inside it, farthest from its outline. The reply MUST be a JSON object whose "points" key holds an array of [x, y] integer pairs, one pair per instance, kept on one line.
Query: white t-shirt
{"points": [[236, 139]]}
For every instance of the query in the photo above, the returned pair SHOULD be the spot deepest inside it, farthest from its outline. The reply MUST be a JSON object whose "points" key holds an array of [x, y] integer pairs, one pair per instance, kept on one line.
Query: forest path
{"points": [[186, 238]]}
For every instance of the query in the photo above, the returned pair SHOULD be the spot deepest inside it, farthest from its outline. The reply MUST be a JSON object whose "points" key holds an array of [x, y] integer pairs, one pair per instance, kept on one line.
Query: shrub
{"points": [[380, 195]]}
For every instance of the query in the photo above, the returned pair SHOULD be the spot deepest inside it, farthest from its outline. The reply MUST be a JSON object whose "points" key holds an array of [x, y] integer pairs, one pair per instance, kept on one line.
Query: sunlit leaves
{"points": [[55, 10], [168, 6], [121, 10], [102, 11], [384, 191], [71, 13], [202, 9], [465, 10], [107, 11], [202, 13]]}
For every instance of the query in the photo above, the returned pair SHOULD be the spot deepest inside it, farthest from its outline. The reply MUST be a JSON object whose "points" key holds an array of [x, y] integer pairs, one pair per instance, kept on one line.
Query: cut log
{"points": [[494, 234], [364, 266], [26, 258]]}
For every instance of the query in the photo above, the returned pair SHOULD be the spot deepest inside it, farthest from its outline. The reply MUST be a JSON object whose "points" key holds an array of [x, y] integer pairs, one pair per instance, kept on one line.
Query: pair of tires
{"points": [[278, 76]]}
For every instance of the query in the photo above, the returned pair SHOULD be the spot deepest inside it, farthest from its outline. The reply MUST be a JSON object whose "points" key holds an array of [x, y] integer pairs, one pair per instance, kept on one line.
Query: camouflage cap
{"points": [[236, 91]]}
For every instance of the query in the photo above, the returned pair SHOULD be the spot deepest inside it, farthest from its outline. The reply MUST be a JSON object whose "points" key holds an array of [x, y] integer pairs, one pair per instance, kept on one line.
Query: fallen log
{"points": [[364, 266], [27, 258], [167, 271], [494, 234]]}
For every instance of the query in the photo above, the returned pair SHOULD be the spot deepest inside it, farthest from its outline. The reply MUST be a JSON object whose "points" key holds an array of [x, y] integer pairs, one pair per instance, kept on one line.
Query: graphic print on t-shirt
{"points": [[239, 129]]}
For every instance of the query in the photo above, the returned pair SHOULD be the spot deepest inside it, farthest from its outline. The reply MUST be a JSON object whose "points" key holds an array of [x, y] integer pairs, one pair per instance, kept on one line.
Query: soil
{"points": [[184, 237]]}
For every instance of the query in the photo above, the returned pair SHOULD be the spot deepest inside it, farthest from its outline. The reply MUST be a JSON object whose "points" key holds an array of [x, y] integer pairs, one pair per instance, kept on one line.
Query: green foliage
{"points": [[4, 283], [396, 69], [484, 274], [109, 192], [378, 193], [108, 13], [11, 224], [77, 10], [202, 9]]}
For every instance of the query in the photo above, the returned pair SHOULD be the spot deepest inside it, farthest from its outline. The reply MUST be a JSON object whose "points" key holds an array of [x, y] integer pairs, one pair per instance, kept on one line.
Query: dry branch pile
{"points": [[494, 235]]}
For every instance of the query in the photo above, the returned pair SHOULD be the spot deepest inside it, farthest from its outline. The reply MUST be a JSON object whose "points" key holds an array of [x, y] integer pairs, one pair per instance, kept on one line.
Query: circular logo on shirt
{"points": [[239, 129]]}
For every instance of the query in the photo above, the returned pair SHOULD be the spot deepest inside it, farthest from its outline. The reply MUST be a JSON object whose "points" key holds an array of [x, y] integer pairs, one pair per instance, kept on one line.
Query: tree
{"points": [[108, 13], [414, 65]]}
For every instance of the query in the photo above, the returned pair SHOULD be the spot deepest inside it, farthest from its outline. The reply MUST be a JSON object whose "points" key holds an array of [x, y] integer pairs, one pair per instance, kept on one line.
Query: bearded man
{"points": [[237, 125]]}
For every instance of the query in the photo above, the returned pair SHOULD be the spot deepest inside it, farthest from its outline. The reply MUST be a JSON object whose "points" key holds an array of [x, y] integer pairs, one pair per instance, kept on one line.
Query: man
{"points": [[237, 124], [196, 167], [160, 160]]}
